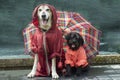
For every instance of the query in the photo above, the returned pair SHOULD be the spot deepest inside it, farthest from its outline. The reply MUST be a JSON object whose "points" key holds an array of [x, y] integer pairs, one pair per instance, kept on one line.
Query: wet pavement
{"points": [[98, 72]]}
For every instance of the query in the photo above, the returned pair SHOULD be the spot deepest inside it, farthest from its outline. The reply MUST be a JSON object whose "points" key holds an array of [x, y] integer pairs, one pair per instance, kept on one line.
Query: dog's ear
{"points": [[78, 35], [81, 39], [67, 37]]}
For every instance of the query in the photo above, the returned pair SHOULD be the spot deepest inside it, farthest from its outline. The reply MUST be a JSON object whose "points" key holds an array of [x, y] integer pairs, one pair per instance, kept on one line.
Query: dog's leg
{"points": [[78, 72], [54, 73], [68, 70], [33, 71]]}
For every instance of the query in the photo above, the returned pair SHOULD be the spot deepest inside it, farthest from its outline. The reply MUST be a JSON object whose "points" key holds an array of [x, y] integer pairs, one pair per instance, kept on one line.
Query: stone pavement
{"points": [[98, 72]]}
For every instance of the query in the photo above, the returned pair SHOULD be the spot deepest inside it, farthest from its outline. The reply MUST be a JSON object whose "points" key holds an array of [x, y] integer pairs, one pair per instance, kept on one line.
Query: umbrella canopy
{"points": [[71, 21], [67, 22]]}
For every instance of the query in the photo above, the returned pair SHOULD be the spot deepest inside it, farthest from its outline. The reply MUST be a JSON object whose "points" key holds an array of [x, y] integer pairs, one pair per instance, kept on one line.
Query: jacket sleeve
{"points": [[82, 58], [68, 59], [34, 47]]}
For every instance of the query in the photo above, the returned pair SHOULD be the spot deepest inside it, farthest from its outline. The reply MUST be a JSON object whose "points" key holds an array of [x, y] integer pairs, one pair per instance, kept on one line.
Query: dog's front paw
{"points": [[55, 75], [31, 75]]}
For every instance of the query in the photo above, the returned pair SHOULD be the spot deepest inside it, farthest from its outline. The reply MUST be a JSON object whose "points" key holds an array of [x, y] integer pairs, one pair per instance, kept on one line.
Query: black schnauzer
{"points": [[75, 42]]}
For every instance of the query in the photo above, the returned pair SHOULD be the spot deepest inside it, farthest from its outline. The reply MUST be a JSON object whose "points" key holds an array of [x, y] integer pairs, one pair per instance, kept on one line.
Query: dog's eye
{"points": [[47, 9], [40, 9]]}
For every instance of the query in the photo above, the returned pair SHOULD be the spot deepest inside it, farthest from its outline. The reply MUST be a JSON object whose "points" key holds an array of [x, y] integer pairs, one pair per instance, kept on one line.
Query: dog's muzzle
{"points": [[44, 19], [73, 46]]}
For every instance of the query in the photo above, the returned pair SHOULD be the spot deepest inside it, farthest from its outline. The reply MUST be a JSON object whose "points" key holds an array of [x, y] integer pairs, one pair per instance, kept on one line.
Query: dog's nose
{"points": [[43, 16]]}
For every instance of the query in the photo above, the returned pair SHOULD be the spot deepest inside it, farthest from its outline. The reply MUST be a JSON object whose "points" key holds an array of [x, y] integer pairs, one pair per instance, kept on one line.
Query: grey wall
{"points": [[103, 14]]}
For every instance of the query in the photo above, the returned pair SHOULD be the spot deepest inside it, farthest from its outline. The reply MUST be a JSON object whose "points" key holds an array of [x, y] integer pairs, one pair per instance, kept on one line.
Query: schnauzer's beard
{"points": [[74, 46]]}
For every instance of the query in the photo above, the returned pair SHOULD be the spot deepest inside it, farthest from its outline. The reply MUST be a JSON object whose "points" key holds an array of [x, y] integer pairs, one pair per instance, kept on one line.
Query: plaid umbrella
{"points": [[67, 22]]}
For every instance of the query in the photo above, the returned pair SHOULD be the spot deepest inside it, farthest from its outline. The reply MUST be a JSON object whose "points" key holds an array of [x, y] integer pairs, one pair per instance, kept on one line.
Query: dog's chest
{"points": [[49, 37]]}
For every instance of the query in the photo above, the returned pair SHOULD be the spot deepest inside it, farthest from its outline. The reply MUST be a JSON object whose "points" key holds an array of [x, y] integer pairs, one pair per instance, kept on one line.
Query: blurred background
{"points": [[16, 14]]}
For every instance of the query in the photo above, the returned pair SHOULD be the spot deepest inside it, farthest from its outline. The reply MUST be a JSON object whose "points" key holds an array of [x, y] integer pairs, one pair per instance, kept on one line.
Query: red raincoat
{"points": [[76, 58], [53, 39]]}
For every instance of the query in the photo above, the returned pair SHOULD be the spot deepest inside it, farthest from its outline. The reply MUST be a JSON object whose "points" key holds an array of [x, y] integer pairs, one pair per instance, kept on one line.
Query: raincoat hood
{"points": [[35, 19]]}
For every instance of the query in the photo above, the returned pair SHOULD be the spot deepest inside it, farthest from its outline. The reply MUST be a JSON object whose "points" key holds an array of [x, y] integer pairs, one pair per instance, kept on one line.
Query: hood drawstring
{"points": [[46, 53]]}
